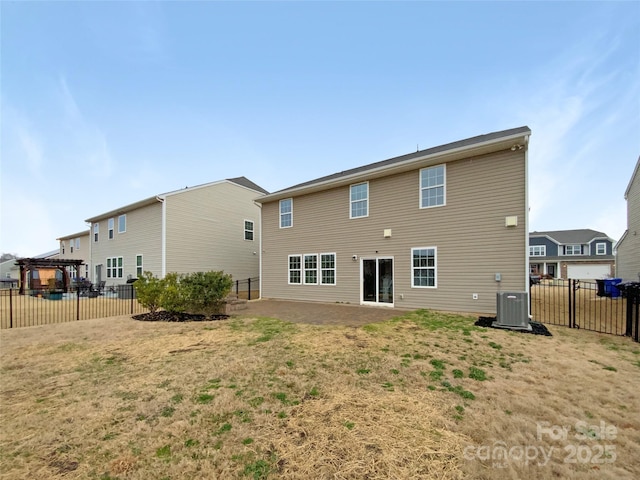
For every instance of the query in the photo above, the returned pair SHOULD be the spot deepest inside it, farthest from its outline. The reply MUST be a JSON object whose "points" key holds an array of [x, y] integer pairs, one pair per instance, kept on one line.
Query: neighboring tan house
{"points": [[215, 226], [576, 254], [443, 228], [76, 247], [9, 273], [628, 248]]}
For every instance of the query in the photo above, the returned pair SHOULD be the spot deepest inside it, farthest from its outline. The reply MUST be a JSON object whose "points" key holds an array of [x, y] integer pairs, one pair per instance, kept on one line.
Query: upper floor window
{"points": [[537, 250], [71, 244], [423, 267], [286, 213], [601, 248], [360, 200], [248, 230], [62, 248], [122, 223], [77, 244], [432, 186], [110, 223], [96, 228], [573, 250]]}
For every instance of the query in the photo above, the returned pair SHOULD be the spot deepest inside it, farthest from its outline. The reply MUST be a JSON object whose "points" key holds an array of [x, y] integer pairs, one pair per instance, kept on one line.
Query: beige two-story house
{"points": [[76, 247], [215, 226], [628, 248], [443, 228]]}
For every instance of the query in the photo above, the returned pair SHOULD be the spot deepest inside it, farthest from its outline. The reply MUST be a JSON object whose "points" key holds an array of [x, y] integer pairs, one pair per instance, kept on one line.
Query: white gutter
{"points": [[259, 205]]}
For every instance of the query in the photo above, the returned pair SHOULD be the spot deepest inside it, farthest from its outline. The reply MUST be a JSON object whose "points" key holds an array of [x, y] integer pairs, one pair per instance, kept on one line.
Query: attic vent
{"points": [[512, 311]]}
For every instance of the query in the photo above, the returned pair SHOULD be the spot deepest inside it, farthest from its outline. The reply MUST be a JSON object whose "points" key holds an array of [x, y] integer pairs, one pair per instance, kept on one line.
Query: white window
{"points": [[311, 269], [248, 230], [286, 213], [295, 269], [77, 244], [115, 267], [601, 248], [328, 268], [138, 266], [537, 250], [110, 228], [62, 248], [71, 244], [96, 227], [359, 200], [424, 267], [432, 186], [572, 250], [122, 223]]}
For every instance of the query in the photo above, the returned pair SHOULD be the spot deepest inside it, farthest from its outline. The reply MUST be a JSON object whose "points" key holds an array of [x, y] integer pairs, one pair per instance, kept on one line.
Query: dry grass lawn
{"points": [[426, 395]]}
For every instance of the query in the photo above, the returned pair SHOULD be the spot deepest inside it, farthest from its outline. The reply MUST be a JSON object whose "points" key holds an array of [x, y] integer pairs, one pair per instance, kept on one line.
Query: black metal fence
{"points": [[43, 307], [597, 306], [248, 289]]}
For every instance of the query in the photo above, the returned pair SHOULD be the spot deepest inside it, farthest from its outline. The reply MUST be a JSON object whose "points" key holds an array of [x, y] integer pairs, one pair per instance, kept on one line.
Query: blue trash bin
{"points": [[610, 289]]}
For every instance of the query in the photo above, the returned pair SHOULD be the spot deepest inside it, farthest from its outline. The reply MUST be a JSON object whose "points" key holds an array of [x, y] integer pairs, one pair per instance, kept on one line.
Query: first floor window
{"points": [[115, 267], [423, 267], [328, 268], [295, 269], [248, 230], [537, 250], [311, 269], [138, 266]]}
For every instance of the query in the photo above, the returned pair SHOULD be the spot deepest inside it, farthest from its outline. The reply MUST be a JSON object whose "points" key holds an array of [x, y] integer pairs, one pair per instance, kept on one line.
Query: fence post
{"points": [[78, 303], [237, 287], [249, 288], [10, 307], [570, 303], [131, 293]]}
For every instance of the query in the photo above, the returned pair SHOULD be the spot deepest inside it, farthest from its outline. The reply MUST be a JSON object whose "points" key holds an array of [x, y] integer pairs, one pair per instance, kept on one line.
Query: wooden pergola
{"points": [[30, 264]]}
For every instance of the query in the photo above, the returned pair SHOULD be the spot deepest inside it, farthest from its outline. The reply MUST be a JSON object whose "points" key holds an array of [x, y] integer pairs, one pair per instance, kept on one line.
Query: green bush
{"points": [[149, 290], [199, 292]]}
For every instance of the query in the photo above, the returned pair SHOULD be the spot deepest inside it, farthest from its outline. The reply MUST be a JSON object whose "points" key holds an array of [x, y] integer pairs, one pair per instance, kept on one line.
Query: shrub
{"points": [[206, 291], [148, 291], [174, 298]]}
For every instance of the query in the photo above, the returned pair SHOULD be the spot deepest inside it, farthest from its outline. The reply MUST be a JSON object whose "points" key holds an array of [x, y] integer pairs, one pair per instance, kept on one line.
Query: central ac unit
{"points": [[512, 311]]}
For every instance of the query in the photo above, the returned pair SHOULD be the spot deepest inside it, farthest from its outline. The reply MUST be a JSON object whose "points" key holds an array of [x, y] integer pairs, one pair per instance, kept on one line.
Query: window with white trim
{"points": [[71, 245], [328, 268], [122, 223], [286, 213], [573, 250], [423, 267], [138, 266], [248, 230], [62, 248], [115, 267], [77, 244], [295, 269], [110, 224], [601, 248], [432, 186], [310, 269], [537, 250], [96, 228], [359, 200]]}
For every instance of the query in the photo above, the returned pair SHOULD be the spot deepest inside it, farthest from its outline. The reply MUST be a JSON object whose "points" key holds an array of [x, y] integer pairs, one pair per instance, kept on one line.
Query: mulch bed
{"points": [[536, 327], [163, 316]]}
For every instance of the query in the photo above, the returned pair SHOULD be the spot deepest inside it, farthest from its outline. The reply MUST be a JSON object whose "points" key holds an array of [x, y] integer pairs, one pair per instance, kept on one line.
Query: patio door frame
{"points": [[378, 301]]}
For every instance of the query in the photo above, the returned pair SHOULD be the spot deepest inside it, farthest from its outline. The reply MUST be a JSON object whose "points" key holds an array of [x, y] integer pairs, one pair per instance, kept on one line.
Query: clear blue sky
{"points": [[106, 103]]}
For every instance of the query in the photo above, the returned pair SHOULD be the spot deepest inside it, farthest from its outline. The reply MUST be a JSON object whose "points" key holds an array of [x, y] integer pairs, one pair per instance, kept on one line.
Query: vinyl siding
{"points": [[142, 236], [628, 258], [469, 232], [83, 253], [205, 230]]}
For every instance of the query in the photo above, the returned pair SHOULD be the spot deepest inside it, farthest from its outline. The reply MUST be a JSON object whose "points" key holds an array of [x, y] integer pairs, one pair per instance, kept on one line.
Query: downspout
{"points": [[91, 272], [259, 205], [526, 225], [163, 238]]}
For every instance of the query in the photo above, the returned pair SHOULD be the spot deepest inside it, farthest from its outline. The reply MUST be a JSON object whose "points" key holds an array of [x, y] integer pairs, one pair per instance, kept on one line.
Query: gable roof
{"points": [[240, 181], [566, 237], [478, 145], [633, 176], [75, 235]]}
